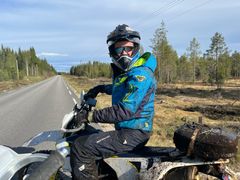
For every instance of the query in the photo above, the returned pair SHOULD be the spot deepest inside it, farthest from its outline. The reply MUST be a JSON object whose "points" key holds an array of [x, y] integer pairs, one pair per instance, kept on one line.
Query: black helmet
{"points": [[123, 32]]}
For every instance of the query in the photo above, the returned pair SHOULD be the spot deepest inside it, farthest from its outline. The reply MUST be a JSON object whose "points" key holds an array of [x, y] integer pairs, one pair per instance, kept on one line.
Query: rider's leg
{"points": [[103, 144]]}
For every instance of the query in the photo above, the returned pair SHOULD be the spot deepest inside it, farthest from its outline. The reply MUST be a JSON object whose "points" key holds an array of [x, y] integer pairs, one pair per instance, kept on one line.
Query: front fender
{"points": [[11, 162]]}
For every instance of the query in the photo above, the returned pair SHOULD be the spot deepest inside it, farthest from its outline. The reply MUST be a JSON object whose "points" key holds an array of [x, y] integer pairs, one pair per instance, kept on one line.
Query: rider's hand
{"points": [[84, 116], [81, 116], [92, 93]]}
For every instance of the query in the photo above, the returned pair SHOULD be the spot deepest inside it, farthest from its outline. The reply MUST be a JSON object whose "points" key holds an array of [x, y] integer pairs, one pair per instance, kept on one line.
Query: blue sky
{"points": [[69, 32]]}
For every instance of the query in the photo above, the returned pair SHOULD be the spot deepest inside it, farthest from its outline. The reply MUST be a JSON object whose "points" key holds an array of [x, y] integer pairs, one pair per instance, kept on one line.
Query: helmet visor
{"points": [[130, 38]]}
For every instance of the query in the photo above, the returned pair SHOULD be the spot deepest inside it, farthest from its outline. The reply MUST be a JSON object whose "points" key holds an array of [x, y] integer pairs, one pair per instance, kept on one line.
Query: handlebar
{"points": [[86, 105]]}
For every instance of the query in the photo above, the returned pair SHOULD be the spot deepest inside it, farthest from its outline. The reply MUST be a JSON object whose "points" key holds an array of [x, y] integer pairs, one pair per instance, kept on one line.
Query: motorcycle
{"points": [[147, 163]]}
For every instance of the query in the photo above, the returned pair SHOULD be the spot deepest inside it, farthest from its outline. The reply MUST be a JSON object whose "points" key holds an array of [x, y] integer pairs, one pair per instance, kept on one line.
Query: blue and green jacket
{"points": [[132, 96]]}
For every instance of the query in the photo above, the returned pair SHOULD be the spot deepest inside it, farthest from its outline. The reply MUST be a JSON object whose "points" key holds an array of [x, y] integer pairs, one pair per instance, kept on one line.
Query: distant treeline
{"points": [[17, 65], [214, 66], [92, 70]]}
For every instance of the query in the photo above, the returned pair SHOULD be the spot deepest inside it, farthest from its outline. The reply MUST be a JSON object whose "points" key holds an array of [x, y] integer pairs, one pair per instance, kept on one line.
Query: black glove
{"points": [[81, 117], [92, 93]]}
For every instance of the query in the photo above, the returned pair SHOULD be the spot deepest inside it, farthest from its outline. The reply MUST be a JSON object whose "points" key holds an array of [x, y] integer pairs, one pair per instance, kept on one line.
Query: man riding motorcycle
{"points": [[133, 90]]}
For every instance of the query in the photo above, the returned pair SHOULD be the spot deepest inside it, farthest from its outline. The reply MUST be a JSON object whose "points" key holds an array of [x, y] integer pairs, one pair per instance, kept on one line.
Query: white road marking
{"points": [[75, 102], [75, 92]]}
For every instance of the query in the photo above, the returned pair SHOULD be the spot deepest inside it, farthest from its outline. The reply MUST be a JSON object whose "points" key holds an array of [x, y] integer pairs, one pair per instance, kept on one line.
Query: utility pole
{"points": [[27, 68], [32, 70], [36, 70], [17, 69]]}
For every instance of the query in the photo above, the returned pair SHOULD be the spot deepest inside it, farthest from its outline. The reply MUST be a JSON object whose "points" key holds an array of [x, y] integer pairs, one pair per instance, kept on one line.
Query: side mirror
{"points": [[81, 97], [89, 103]]}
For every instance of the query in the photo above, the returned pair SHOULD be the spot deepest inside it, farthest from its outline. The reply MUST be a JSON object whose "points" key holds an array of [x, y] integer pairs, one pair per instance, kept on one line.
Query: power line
{"points": [[189, 10], [168, 7], [158, 11]]}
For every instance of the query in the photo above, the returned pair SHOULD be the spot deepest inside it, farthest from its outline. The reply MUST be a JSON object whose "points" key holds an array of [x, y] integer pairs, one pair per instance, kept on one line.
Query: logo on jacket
{"points": [[140, 78]]}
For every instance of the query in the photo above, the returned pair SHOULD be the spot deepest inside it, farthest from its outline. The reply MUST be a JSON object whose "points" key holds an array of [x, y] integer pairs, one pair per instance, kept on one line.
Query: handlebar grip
{"points": [[46, 169]]}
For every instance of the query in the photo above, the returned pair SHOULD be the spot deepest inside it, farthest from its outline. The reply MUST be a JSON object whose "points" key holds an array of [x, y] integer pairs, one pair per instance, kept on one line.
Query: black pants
{"points": [[86, 149]]}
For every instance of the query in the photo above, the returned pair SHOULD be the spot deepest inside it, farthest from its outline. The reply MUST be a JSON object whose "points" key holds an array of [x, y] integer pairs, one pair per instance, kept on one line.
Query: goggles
{"points": [[127, 49]]}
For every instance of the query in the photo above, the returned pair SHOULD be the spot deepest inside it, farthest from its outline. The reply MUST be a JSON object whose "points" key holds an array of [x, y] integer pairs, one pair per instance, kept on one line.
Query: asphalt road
{"points": [[27, 111]]}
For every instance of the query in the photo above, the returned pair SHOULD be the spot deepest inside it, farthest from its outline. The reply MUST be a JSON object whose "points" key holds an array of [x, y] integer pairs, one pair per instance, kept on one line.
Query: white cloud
{"points": [[51, 54]]}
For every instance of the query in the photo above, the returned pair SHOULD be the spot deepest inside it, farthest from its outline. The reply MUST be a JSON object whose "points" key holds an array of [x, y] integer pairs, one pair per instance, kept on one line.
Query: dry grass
{"points": [[172, 106], [9, 85]]}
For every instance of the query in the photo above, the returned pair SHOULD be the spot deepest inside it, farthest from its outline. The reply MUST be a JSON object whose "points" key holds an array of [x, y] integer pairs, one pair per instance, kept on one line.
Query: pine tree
{"points": [[194, 53], [235, 69], [202, 70], [166, 56], [159, 42], [217, 49], [184, 69]]}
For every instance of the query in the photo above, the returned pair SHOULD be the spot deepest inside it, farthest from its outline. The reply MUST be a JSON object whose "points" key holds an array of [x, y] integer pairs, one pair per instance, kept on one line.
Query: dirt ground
{"points": [[14, 84], [178, 104]]}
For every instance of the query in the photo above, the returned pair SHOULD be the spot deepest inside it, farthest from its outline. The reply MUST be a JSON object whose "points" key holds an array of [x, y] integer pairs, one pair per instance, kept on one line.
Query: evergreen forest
{"points": [[23, 63]]}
